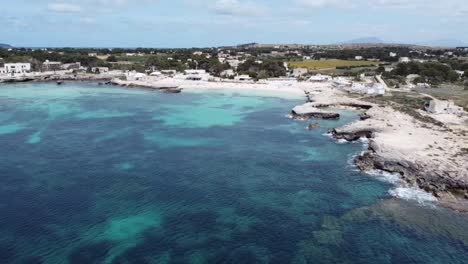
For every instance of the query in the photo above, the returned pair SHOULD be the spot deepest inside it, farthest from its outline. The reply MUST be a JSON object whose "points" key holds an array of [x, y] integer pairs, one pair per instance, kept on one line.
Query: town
{"points": [[369, 69]]}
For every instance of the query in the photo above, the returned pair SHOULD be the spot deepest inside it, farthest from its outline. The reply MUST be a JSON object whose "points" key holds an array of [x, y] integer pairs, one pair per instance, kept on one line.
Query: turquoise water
{"points": [[92, 174]]}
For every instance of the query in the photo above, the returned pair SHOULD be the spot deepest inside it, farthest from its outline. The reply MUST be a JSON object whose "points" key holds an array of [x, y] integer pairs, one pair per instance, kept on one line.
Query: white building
{"points": [[369, 89], [99, 69], [299, 72], [392, 54], [358, 58], [93, 54], [51, 65], [320, 78], [197, 75], [71, 66], [227, 73], [198, 53], [243, 78], [14, 68], [461, 73], [404, 60], [135, 76], [235, 63], [341, 82], [443, 107]]}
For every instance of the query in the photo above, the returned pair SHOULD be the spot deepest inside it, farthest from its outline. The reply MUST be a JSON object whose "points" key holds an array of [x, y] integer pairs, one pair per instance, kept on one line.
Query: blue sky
{"points": [[204, 23]]}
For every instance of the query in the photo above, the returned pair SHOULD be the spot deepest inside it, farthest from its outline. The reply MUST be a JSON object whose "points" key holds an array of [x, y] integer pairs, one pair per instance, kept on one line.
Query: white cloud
{"points": [[237, 8], [64, 7]]}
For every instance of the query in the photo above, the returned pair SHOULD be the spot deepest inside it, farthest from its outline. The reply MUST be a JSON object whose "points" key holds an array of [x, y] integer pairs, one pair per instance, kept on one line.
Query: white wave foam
{"points": [[385, 176], [402, 191], [413, 194], [364, 140], [342, 141]]}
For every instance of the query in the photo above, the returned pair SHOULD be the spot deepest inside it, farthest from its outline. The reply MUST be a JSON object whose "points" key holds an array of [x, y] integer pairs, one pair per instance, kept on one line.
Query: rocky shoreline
{"points": [[430, 157]]}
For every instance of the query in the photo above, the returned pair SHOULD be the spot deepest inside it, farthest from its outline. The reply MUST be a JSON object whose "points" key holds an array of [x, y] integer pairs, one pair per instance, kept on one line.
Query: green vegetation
{"points": [[267, 69], [429, 72], [329, 64]]}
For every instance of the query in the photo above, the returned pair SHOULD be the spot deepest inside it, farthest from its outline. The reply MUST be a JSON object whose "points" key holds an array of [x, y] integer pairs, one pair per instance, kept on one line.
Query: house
{"points": [[99, 69], [369, 89], [227, 73], [376, 89], [320, 78], [404, 60], [51, 65], [135, 76], [443, 107], [341, 82], [92, 54], [196, 75], [358, 58], [71, 66], [235, 63], [461, 73], [243, 77], [198, 53], [17, 67], [299, 72], [392, 54]]}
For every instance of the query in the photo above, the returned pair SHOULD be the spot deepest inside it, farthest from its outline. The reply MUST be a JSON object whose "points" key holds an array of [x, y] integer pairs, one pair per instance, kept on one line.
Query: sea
{"points": [[105, 174]]}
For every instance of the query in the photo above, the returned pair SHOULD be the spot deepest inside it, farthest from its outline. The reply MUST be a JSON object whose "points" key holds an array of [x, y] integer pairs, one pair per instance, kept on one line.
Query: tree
{"points": [[380, 69], [112, 58]]}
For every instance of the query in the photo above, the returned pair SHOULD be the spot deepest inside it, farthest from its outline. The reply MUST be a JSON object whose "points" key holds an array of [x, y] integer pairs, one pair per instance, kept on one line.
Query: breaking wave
{"points": [[402, 190]]}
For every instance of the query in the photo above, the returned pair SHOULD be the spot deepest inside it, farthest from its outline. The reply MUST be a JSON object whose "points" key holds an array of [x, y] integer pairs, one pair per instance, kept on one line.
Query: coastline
{"points": [[428, 156]]}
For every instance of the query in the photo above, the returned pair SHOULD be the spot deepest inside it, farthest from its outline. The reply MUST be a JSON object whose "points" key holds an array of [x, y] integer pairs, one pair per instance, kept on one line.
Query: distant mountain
{"points": [[364, 40], [448, 43], [5, 46]]}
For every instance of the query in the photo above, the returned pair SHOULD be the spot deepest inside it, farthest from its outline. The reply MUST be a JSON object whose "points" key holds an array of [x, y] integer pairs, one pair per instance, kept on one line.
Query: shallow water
{"points": [[92, 174]]}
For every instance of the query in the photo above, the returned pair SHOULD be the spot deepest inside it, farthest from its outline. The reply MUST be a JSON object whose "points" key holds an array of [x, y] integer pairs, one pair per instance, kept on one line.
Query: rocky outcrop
{"points": [[352, 136], [317, 115], [444, 185], [309, 110]]}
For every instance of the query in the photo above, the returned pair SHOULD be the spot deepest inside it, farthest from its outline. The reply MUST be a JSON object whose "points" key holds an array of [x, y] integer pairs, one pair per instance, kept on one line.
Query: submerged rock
{"points": [[313, 126]]}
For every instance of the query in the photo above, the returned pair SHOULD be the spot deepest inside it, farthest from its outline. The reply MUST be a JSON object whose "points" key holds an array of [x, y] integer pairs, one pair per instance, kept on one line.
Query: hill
{"points": [[5, 46]]}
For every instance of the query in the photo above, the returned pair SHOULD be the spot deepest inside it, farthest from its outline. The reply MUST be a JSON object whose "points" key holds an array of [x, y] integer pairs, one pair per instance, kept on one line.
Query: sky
{"points": [[209, 23]]}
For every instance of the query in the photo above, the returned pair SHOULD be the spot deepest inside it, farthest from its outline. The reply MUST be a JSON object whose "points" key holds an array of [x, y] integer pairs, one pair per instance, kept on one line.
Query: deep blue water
{"points": [[92, 174]]}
